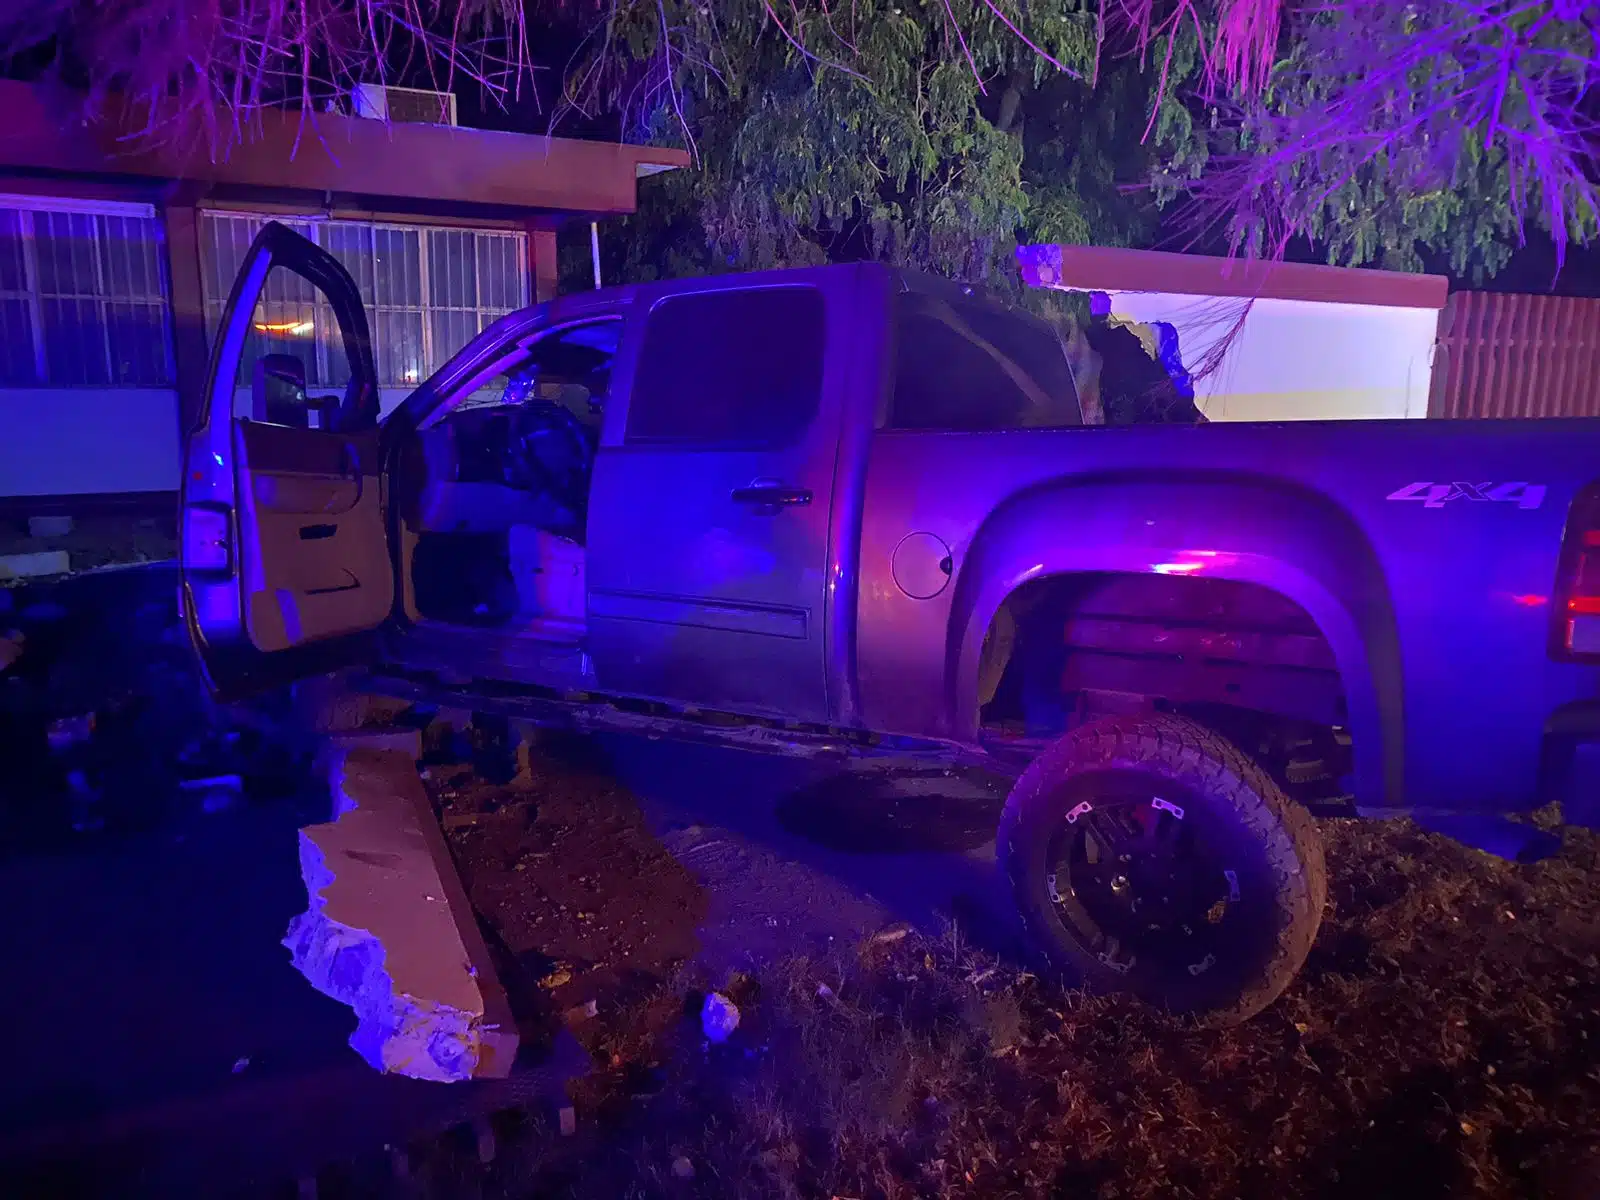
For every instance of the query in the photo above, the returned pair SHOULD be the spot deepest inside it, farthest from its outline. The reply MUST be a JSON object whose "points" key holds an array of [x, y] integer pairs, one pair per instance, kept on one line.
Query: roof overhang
{"points": [[325, 153], [1106, 269]]}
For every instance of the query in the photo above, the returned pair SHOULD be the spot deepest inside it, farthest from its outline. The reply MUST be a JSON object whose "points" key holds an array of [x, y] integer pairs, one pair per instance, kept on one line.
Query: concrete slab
{"points": [[154, 1106], [401, 740], [390, 931], [29, 566]]}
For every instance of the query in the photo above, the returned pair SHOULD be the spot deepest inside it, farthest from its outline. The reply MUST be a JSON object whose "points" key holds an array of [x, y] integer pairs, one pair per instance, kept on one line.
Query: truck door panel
{"points": [[709, 522], [285, 551], [313, 499]]}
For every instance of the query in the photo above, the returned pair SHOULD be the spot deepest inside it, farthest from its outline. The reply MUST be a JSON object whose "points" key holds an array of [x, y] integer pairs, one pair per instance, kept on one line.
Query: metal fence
{"points": [[83, 300], [1510, 355]]}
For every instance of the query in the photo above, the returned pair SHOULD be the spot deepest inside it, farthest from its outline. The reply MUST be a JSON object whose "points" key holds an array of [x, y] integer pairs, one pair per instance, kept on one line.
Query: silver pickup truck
{"points": [[853, 511]]}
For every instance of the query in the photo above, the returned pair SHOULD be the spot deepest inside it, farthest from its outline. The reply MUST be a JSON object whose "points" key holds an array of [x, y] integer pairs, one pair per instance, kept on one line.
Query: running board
{"points": [[463, 653], [588, 714]]}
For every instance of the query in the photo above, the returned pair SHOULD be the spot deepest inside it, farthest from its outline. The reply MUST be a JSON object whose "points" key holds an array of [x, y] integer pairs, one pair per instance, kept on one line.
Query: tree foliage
{"points": [[927, 132], [932, 133], [200, 68], [938, 132], [1380, 131]]}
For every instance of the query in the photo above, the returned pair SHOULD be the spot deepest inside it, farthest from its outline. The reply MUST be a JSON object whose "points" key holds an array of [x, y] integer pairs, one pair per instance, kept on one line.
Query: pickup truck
{"points": [[851, 510]]}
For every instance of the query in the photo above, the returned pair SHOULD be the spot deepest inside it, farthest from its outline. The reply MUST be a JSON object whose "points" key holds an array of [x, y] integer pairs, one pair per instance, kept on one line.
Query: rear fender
{"points": [[1291, 541]]}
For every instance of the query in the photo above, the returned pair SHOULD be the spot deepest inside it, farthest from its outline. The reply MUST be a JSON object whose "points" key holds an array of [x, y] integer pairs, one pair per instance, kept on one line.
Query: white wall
{"points": [[85, 441], [1298, 360]]}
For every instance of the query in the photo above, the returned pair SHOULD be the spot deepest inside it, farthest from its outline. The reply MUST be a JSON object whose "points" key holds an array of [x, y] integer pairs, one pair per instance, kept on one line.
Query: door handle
{"points": [[347, 474], [772, 495]]}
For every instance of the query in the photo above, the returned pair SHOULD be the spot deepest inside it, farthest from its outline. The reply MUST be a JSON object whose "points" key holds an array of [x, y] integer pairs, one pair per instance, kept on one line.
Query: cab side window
{"points": [[977, 368], [296, 369], [570, 368], [741, 367]]}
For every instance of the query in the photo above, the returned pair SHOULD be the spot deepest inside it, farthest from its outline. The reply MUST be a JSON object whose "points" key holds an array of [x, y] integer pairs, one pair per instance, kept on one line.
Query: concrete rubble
{"points": [[389, 930], [719, 1017], [11, 644], [107, 723], [110, 728], [50, 526], [37, 563]]}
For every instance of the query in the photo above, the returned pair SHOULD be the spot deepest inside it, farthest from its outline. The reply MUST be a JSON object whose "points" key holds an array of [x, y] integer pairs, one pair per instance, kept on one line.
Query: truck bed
{"points": [[1426, 552]]}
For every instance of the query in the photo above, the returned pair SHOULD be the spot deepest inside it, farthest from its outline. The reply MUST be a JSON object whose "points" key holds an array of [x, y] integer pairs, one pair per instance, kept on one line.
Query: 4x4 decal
{"points": [[1437, 495]]}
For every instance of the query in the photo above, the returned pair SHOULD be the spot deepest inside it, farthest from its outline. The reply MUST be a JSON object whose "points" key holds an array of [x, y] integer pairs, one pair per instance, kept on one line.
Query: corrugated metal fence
{"points": [[1508, 355]]}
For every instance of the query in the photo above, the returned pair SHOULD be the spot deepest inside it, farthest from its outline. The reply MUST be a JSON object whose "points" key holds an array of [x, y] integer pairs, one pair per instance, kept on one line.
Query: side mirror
{"points": [[278, 391]]}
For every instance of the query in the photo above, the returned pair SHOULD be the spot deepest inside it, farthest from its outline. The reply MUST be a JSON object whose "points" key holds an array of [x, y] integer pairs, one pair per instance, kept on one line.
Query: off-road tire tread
{"points": [[1194, 755]]}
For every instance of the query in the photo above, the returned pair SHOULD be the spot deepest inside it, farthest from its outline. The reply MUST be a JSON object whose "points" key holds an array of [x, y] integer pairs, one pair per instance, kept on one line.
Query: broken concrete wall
{"points": [[390, 931]]}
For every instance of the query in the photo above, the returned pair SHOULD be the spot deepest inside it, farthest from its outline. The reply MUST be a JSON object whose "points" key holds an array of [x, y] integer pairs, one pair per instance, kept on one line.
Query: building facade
{"points": [[117, 258]]}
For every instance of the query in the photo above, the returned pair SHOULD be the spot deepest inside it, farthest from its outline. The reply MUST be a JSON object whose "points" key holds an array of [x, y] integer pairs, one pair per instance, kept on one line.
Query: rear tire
{"points": [[1151, 856]]}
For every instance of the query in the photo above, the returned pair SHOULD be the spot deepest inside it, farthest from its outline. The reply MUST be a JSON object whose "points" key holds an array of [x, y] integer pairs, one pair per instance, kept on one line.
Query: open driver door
{"points": [[284, 540]]}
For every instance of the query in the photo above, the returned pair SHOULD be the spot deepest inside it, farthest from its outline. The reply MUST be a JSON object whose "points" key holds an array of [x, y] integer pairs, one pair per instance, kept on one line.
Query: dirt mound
{"points": [[581, 904], [1444, 1041]]}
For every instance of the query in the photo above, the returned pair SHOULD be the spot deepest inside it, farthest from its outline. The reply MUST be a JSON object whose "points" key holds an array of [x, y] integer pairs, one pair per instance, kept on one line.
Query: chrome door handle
{"points": [[772, 495]]}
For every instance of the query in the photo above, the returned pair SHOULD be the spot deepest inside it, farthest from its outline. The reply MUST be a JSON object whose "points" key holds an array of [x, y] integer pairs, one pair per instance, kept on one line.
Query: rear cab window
{"points": [[975, 367], [735, 368]]}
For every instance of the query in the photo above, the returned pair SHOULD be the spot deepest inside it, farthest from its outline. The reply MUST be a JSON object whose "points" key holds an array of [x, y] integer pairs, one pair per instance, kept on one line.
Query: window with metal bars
{"points": [[427, 290], [83, 296]]}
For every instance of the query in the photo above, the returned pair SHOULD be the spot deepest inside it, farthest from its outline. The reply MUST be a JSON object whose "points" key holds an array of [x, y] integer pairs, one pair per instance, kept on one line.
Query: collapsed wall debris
{"points": [[106, 723], [390, 931]]}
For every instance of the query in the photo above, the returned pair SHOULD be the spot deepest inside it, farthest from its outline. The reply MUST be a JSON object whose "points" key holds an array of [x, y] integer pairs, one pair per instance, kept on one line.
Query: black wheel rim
{"points": [[1135, 880]]}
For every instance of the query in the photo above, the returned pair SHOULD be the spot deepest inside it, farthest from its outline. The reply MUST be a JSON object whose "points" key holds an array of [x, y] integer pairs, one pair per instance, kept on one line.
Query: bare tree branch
{"points": [[202, 67], [1390, 100]]}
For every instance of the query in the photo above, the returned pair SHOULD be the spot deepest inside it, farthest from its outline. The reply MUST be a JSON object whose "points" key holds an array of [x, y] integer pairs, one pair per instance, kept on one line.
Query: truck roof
{"points": [[901, 279]]}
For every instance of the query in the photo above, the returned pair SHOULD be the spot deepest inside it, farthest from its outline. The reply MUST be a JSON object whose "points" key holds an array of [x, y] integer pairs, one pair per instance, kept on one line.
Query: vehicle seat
{"points": [[553, 454]]}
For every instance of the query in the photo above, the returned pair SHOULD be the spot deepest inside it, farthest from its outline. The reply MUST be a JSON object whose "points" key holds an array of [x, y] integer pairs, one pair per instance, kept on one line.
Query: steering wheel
{"points": [[552, 452]]}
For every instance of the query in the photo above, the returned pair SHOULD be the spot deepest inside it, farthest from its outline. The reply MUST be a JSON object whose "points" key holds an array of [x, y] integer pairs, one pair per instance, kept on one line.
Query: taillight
{"points": [[1578, 613], [207, 538]]}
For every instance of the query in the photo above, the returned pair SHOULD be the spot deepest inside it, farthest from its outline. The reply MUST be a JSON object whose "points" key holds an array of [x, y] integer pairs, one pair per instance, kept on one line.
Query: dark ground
{"points": [[1444, 1040]]}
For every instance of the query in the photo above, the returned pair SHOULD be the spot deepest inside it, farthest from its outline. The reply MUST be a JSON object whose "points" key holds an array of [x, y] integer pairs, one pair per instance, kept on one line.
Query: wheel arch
{"points": [[1291, 542]]}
